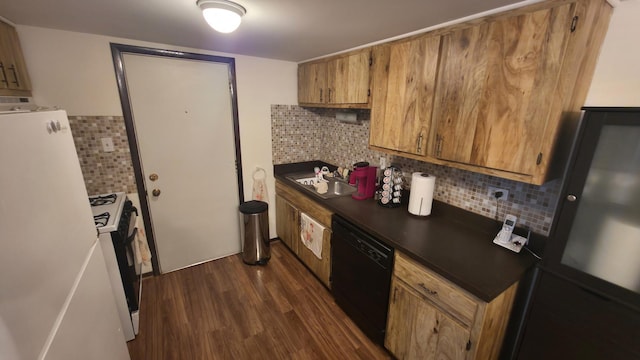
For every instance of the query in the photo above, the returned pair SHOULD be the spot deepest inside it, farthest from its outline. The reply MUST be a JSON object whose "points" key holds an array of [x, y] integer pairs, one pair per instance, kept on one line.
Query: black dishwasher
{"points": [[361, 269]]}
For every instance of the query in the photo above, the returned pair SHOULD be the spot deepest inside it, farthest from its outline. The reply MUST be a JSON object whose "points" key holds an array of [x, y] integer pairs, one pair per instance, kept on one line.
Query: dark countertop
{"points": [[453, 242]]}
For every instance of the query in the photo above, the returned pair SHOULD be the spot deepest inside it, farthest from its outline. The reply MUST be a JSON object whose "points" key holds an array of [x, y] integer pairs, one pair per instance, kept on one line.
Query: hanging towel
{"points": [[141, 247], [260, 185], [311, 233]]}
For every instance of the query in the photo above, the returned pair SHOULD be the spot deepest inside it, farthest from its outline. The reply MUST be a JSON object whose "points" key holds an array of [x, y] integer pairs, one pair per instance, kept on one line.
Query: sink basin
{"points": [[337, 187]]}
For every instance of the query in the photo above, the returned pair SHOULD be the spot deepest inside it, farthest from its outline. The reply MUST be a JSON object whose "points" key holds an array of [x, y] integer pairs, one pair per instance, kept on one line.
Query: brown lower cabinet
{"points": [[287, 223], [432, 318], [429, 317], [289, 205]]}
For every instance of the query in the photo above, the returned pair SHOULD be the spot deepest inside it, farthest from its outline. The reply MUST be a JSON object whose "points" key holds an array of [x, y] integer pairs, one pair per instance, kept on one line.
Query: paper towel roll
{"points": [[421, 196]]}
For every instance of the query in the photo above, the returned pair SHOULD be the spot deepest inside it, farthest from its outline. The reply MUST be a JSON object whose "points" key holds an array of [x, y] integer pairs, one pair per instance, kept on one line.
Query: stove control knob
{"points": [[155, 192]]}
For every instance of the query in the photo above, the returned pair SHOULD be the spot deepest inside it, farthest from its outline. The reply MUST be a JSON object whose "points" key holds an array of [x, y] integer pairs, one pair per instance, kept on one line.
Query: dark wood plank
{"points": [[224, 309]]}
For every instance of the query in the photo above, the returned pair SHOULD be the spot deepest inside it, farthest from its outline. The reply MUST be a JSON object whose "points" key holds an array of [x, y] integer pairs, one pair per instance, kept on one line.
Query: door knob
{"points": [[155, 192], [572, 198]]}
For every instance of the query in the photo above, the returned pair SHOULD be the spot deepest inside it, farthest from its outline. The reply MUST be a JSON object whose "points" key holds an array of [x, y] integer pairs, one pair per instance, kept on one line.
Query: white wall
{"points": [[75, 72], [616, 81]]}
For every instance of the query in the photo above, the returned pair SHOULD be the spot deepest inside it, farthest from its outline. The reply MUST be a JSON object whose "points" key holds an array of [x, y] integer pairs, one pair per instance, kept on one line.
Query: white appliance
{"points": [[16, 104], [115, 220], [56, 301]]}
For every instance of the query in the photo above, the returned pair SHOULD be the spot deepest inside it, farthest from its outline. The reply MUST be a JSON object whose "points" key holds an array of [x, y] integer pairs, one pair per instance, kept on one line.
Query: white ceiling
{"points": [[292, 30]]}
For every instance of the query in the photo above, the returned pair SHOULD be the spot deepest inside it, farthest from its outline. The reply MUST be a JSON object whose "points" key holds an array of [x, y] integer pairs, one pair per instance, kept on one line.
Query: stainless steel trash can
{"points": [[254, 231]]}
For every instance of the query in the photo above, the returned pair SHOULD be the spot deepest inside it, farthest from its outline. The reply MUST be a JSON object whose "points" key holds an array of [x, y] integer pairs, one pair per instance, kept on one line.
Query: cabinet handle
{"points": [[439, 140], [329, 95], [419, 144], [395, 293], [15, 75], [427, 290], [320, 95], [4, 75]]}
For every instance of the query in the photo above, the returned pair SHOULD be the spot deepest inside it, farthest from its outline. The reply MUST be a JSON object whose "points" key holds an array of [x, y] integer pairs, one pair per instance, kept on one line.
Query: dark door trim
{"points": [[117, 52]]}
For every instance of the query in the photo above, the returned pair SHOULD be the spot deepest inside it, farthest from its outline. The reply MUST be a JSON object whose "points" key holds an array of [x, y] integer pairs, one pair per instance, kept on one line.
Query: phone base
{"points": [[515, 244]]}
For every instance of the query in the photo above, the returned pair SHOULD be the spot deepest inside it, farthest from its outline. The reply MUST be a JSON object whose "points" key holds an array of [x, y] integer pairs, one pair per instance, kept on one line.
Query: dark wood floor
{"points": [[225, 309]]}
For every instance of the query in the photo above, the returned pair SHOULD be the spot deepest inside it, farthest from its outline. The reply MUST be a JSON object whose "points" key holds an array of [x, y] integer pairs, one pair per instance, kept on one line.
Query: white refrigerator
{"points": [[56, 300]]}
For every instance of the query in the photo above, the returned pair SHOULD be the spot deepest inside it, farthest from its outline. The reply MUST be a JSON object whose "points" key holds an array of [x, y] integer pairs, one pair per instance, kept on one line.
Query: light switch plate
{"points": [[107, 144]]}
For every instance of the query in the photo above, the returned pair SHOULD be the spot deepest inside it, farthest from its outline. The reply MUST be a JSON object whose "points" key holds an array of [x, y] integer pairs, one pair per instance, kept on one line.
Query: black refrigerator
{"points": [[585, 303]]}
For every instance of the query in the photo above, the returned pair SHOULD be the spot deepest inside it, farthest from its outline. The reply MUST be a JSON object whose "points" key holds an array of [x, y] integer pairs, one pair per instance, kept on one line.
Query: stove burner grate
{"points": [[103, 200], [101, 219]]}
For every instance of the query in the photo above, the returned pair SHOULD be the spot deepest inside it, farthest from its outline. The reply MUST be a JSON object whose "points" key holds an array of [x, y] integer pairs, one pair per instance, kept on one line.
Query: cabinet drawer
{"points": [[443, 294]]}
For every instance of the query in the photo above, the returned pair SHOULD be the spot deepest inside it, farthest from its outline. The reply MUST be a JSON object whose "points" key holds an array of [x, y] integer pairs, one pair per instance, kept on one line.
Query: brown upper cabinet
{"points": [[505, 87], [14, 80], [501, 102], [404, 81], [312, 83], [341, 81]]}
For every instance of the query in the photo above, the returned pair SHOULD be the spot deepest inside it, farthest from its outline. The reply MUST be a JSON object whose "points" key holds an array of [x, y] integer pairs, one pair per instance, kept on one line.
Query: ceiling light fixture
{"points": [[222, 15]]}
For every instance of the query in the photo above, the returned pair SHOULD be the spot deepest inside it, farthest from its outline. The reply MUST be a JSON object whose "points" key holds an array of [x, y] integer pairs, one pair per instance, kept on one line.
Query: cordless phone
{"points": [[507, 229], [506, 238]]}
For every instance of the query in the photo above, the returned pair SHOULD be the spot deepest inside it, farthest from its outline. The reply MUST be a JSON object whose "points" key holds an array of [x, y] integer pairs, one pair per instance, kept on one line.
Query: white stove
{"points": [[107, 209], [115, 219]]}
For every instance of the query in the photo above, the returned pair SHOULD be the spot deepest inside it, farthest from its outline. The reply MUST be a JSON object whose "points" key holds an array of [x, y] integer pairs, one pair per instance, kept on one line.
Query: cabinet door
{"points": [[348, 79], [568, 321], [13, 70], [320, 267], [404, 87], [496, 83], [287, 223], [417, 330], [312, 81]]}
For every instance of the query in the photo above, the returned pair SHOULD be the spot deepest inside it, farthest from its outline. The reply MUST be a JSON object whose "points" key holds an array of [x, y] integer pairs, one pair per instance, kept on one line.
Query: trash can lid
{"points": [[253, 207]]}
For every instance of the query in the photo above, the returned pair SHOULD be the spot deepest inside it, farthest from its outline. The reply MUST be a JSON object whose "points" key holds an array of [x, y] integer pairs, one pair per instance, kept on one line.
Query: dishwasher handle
{"points": [[363, 242]]}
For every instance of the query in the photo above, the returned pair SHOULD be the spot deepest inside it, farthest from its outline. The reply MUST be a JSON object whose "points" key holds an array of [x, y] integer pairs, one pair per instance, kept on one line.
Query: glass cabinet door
{"points": [[604, 240], [596, 241]]}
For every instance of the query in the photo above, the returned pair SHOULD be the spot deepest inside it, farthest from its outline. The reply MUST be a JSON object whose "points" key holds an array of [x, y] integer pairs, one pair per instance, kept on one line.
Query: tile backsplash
{"points": [[302, 134], [104, 172]]}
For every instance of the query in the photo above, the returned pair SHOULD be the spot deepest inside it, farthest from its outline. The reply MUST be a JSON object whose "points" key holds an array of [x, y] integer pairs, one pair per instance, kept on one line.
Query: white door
{"points": [[182, 113]]}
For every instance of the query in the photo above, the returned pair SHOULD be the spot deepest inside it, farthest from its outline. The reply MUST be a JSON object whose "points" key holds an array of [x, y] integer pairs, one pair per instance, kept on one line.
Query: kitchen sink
{"points": [[337, 187]]}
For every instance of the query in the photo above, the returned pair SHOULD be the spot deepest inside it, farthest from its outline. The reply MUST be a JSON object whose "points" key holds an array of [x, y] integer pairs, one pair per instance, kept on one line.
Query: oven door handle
{"points": [[132, 237]]}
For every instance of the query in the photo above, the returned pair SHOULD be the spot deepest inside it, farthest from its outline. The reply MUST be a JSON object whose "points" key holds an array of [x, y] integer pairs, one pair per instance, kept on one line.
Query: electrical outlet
{"points": [[107, 144], [493, 190], [407, 179], [383, 162]]}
